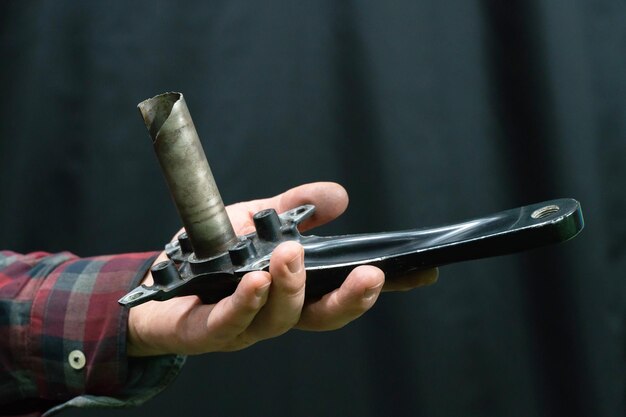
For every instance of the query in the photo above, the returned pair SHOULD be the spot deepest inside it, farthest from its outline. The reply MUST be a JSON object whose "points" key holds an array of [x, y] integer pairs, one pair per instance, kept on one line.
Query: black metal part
{"points": [[165, 274], [328, 260], [209, 259]]}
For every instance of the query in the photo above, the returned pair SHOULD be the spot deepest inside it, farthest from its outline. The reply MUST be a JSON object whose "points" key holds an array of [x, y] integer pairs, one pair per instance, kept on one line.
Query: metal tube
{"points": [[187, 174]]}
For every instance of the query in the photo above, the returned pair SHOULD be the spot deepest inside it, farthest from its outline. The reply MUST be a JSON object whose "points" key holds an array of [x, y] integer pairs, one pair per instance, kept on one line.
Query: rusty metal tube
{"points": [[188, 174]]}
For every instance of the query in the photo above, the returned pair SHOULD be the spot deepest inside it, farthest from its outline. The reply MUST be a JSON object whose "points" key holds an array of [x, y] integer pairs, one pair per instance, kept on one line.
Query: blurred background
{"points": [[428, 112]]}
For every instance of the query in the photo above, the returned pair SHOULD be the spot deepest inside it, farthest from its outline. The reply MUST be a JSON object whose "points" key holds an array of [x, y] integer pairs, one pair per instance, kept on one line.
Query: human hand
{"points": [[265, 304]]}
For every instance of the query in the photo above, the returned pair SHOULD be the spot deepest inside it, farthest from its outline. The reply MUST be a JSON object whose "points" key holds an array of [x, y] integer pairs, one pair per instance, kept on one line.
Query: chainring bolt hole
{"points": [[545, 211]]}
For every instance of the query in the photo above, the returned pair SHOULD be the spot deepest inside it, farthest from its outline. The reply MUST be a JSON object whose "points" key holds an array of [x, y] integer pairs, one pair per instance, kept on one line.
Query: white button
{"points": [[77, 359]]}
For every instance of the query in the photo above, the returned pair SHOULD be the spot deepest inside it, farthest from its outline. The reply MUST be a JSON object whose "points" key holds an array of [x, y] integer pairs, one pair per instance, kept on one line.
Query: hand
{"points": [[264, 305]]}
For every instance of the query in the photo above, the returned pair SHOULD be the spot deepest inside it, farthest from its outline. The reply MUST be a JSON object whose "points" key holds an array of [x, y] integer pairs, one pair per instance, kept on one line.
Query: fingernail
{"points": [[296, 264], [261, 291]]}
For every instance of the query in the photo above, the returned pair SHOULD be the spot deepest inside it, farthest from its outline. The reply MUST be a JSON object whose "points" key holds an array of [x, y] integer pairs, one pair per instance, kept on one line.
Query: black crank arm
{"points": [[209, 259], [328, 260]]}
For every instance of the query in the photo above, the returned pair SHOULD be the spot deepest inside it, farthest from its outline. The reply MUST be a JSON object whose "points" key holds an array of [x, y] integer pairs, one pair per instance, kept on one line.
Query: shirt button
{"points": [[77, 359]]}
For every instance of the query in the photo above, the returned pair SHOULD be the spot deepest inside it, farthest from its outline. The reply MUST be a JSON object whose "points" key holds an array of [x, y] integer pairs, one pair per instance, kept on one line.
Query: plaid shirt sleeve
{"points": [[63, 334]]}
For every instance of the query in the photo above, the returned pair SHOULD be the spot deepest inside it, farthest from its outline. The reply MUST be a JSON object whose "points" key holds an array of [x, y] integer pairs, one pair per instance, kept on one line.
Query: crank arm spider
{"points": [[209, 260]]}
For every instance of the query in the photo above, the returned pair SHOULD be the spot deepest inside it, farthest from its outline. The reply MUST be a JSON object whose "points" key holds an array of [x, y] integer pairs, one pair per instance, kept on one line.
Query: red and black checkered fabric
{"points": [[53, 304]]}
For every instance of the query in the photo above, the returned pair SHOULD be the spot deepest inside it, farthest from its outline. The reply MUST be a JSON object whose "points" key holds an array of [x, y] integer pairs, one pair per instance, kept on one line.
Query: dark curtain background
{"points": [[427, 111]]}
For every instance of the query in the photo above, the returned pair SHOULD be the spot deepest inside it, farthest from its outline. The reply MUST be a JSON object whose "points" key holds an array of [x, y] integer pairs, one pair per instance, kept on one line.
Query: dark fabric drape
{"points": [[427, 112]]}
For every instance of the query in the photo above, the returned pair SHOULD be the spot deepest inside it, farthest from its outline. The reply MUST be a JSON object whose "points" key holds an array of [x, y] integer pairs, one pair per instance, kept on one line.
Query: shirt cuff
{"points": [[77, 342]]}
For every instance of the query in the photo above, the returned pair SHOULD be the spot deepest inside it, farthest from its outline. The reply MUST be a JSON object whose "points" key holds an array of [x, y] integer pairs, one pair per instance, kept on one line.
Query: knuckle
{"points": [[246, 305], [292, 288]]}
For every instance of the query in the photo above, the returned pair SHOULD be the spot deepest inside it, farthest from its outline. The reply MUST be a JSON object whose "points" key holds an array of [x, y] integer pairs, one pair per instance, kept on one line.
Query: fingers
{"points": [[258, 310], [284, 304], [357, 294], [226, 322], [412, 280], [262, 306], [183, 325], [330, 200]]}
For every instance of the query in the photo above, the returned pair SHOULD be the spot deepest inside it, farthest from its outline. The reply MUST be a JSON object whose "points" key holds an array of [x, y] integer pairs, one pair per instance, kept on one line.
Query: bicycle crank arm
{"points": [[208, 260]]}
